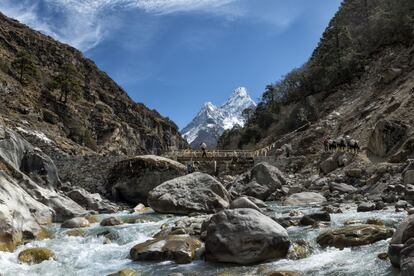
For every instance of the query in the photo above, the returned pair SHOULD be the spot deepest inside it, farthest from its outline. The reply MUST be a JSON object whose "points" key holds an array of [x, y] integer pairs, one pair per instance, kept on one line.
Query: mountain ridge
{"points": [[98, 118]]}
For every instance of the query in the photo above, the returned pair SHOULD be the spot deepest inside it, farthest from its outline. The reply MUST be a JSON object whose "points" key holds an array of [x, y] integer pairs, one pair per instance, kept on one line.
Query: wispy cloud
{"points": [[85, 23]]}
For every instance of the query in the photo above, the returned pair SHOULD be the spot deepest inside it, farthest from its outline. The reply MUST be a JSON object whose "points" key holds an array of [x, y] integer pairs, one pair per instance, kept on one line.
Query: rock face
{"points": [[35, 255], [131, 180], [180, 248], [355, 235], [387, 136], [401, 249], [197, 192], [25, 204], [305, 198], [244, 236]]}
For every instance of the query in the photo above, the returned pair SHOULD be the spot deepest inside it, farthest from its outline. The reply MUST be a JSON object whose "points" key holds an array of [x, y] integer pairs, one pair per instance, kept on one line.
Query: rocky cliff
{"points": [[54, 96]]}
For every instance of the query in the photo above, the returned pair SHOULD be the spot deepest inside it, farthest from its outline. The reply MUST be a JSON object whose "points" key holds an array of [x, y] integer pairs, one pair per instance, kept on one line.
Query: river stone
{"points": [[243, 202], [244, 236], [132, 179], [284, 273], [179, 248], [409, 177], [305, 198], [125, 272], [342, 187], [111, 221], [366, 207], [75, 223], [355, 235], [193, 193], [35, 255], [311, 219]]}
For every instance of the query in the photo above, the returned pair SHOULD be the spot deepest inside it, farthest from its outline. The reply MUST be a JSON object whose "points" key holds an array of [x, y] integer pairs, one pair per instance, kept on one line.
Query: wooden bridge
{"points": [[217, 155]]}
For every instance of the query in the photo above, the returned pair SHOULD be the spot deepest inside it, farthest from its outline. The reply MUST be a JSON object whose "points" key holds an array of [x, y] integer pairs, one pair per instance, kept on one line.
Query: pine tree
{"points": [[25, 65], [67, 81]]}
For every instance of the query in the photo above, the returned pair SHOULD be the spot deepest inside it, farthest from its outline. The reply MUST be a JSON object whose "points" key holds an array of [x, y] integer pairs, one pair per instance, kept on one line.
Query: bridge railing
{"points": [[211, 154]]}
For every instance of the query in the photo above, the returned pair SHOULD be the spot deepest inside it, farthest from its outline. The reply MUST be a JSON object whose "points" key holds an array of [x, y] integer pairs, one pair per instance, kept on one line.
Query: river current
{"points": [[91, 255]]}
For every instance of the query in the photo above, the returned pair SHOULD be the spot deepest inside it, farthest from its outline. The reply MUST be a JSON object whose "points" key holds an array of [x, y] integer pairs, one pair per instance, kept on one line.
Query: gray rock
{"points": [[409, 177], [179, 248], [256, 190], [329, 165], [305, 198], [78, 222], [386, 137], [366, 207], [111, 221], [92, 201], [311, 219], [401, 243], [342, 187], [258, 202], [197, 192], [266, 174], [244, 236], [131, 180], [243, 202]]}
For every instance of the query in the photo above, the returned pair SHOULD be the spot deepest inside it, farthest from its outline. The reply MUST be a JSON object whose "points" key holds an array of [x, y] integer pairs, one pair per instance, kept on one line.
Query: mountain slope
{"points": [[98, 116], [212, 121], [360, 74]]}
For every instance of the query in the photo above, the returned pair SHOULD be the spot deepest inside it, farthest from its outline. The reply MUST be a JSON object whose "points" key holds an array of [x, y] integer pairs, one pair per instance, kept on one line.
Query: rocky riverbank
{"points": [[262, 222]]}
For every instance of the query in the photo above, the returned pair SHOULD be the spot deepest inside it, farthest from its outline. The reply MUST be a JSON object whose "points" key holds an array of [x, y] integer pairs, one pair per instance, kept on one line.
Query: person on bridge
{"points": [[203, 148]]}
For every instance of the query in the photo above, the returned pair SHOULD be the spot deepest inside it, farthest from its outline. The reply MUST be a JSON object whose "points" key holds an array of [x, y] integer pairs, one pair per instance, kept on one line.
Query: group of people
{"points": [[342, 144]]}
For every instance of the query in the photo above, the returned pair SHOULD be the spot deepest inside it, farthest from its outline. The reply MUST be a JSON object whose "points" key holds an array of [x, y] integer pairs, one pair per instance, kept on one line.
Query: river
{"points": [[90, 255]]}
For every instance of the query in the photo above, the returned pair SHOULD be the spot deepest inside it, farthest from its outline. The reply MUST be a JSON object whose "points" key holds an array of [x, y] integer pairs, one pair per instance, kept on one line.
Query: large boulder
{"points": [[257, 190], [244, 236], [305, 198], [401, 247], [329, 165], [132, 179], [91, 201], [366, 207], [386, 137], [268, 175], [355, 235], [179, 248], [196, 192]]}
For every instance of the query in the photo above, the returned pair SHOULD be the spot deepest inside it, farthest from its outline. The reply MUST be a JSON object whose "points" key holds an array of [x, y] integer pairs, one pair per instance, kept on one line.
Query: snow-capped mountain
{"points": [[212, 121]]}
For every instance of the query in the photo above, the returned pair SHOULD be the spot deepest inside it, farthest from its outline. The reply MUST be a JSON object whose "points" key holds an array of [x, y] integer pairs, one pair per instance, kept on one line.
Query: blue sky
{"points": [[174, 55]]}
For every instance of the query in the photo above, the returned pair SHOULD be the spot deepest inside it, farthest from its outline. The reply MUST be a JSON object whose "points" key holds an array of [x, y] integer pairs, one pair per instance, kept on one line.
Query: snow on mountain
{"points": [[212, 121]]}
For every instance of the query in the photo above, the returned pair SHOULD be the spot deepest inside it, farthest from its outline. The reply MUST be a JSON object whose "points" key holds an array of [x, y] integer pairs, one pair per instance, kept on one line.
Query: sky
{"points": [[175, 55]]}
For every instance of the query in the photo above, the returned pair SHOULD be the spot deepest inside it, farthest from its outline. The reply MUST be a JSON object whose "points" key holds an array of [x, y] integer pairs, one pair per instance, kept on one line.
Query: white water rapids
{"points": [[89, 256]]}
